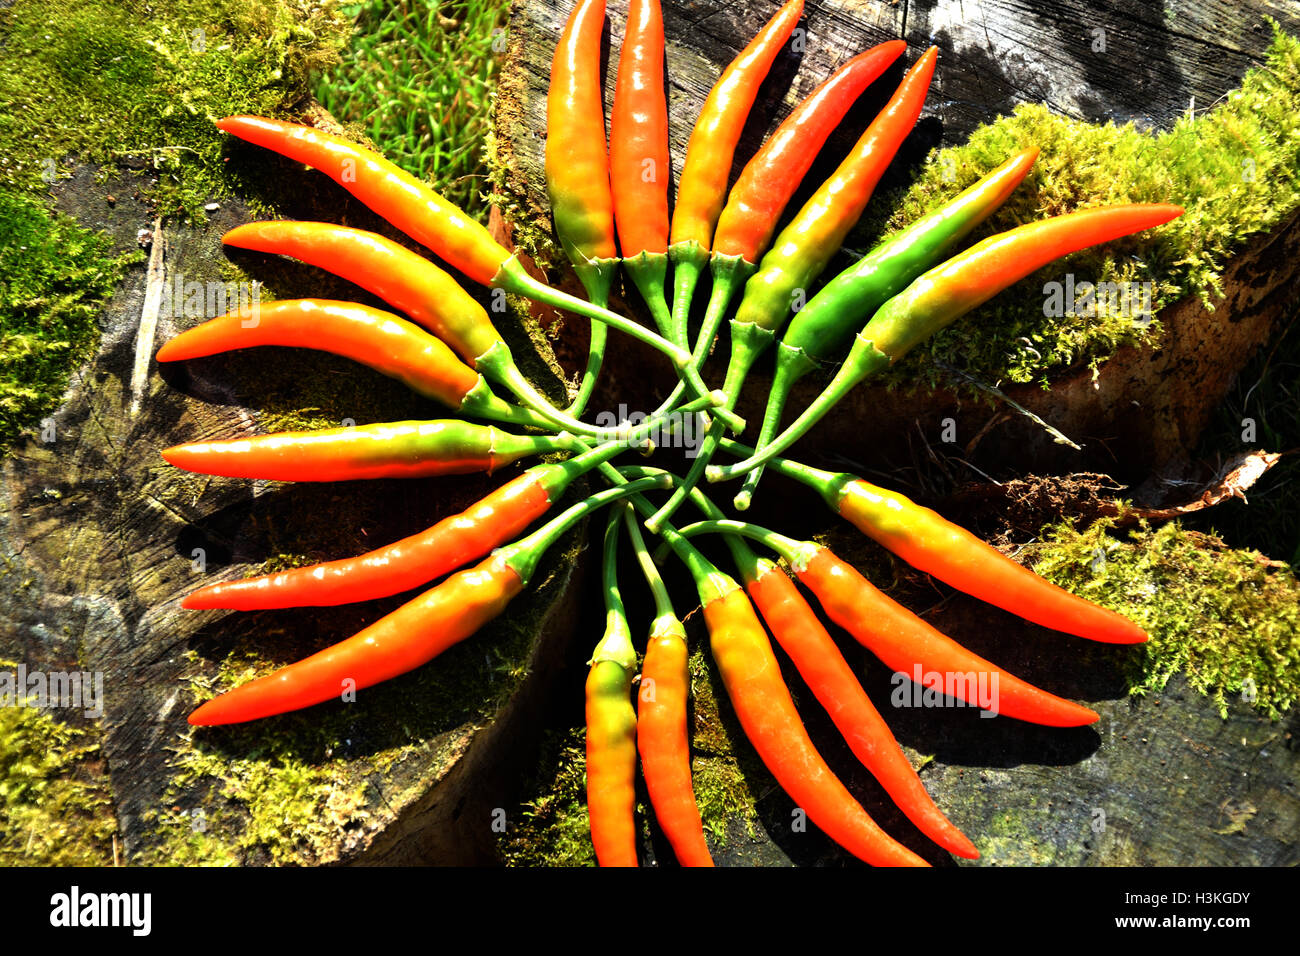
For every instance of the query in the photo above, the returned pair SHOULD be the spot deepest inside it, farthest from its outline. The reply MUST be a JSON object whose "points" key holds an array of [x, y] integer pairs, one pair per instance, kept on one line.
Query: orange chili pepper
{"points": [[402, 565], [752, 677], [905, 643], [820, 663], [389, 450], [577, 158], [611, 723], [638, 135], [927, 541]]}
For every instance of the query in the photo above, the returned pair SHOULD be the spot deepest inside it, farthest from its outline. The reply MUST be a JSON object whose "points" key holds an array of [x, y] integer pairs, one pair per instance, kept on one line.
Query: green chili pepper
{"points": [[819, 329], [392, 450], [950, 290]]}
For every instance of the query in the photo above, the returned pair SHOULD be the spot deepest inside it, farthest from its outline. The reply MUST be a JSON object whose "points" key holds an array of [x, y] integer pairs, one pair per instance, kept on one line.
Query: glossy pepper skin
{"points": [[952, 554], [390, 450], [663, 741], [970, 279], [396, 195], [804, 247], [408, 282], [381, 340], [611, 763], [950, 290], [638, 135], [763, 705], [904, 642], [771, 177], [801, 635], [611, 723], [841, 306], [577, 159], [412, 635], [398, 567], [702, 186]]}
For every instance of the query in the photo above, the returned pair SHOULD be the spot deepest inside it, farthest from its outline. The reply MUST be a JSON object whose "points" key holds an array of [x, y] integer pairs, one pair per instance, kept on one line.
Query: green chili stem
{"points": [[616, 643], [862, 361], [797, 553], [688, 260], [653, 579], [649, 272], [791, 365], [481, 402], [598, 336], [524, 555]]}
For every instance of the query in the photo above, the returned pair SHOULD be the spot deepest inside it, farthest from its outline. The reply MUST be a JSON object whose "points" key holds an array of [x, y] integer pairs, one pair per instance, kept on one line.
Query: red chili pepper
{"points": [[451, 543], [400, 198], [752, 677], [906, 643], [390, 450], [421, 213], [661, 732], [413, 635], [952, 554], [397, 275], [771, 177], [820, 663], [702, 186], [381, 340], [803, 248]]}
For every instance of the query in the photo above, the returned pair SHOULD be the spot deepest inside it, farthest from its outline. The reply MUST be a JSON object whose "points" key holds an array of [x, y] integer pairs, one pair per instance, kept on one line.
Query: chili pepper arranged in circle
{"points": [[611, 723], [390, 450], [702, 187], [409, 637], [948, 291], [451, 543], [608, 194]]}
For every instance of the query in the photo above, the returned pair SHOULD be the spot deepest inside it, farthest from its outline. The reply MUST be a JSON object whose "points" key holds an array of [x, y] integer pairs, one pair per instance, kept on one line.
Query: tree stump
{"points": [[101, 539], [1160, 780]]}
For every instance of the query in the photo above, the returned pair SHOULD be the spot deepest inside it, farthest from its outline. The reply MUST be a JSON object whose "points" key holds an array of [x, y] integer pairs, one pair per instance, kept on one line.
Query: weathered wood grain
{"points": [[100, 539]]}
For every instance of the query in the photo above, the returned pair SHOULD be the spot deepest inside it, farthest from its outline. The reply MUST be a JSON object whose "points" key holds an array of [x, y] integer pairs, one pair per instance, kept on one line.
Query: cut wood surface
{"points": [[101, 539]]}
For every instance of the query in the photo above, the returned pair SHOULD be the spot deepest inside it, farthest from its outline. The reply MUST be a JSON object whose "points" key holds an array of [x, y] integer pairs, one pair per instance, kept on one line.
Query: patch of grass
{"points": [[55, 808], [55, 277], [1233, 169], [102, 83], [419, 78], [1227, 619]]}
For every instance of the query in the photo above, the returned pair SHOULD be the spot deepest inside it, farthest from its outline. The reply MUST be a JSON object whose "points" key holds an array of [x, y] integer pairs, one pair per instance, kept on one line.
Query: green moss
{"points": [[552, 828], [55, 277], [55, 808], [1232, 168], [101, 82], [281, 805], [720, 774], [1227, 619]]}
